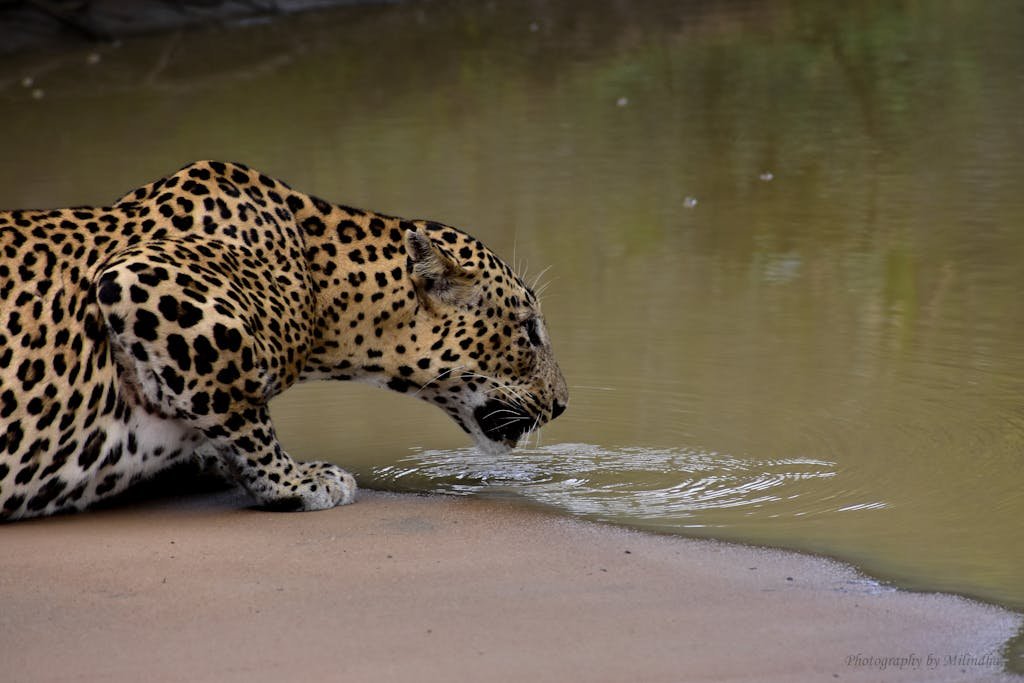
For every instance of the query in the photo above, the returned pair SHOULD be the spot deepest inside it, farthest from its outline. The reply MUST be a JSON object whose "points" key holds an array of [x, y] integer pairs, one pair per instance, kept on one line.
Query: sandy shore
{"points": [[400, 588]]}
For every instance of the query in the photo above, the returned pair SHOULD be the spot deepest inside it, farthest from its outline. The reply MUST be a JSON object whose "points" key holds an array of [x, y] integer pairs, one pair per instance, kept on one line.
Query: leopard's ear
{"points": [[436, 275]]}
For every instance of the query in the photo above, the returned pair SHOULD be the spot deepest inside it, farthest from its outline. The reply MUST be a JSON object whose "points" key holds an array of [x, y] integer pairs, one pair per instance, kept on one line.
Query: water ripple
{"points": [[638, 484]]}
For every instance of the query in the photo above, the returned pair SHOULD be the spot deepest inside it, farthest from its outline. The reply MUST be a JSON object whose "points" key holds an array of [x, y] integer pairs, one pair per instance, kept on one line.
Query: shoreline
{"points": [[884, 580], [442, 588]]}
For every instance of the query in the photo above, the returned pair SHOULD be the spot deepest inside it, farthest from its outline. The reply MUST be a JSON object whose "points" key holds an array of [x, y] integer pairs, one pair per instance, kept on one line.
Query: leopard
{"points": [[155, 331]]}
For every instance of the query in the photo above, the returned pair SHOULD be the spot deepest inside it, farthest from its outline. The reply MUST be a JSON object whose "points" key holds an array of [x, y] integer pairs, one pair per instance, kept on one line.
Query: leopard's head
{"points": [[486, 358]]}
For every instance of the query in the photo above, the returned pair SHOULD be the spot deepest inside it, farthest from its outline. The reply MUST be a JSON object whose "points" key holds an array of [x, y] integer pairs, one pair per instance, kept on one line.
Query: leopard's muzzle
{"points": [[503, 422], [506, 423]]}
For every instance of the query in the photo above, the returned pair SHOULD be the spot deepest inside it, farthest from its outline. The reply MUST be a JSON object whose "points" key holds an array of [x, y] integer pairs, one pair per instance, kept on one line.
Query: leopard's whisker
{"points": [[437, 378], [542, 290], [515, 415], [537, 279], [517, 397]]}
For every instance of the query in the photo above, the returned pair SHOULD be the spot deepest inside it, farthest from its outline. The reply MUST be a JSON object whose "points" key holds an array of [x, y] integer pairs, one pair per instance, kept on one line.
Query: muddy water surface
{"points": [[785, 240]]}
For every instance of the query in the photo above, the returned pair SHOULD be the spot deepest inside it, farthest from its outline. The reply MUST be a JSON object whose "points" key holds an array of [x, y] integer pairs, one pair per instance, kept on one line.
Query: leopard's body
{"points": [[137, 335]]}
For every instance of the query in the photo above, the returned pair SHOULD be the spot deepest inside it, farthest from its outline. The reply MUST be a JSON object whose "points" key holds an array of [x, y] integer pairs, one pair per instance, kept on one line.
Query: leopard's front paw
{"points": [[326, 485], [310, 486], [338, 484]]}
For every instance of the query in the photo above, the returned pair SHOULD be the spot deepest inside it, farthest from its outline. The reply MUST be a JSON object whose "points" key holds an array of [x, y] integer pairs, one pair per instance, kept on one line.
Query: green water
{"points": [[785, 240]]}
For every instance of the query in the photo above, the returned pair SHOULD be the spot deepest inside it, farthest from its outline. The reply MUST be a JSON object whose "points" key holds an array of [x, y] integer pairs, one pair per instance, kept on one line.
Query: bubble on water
{"points": [[38, 94], [27, 82], [690, 202], [92, 58], [767, 176], [534, 27], [622, 102]]}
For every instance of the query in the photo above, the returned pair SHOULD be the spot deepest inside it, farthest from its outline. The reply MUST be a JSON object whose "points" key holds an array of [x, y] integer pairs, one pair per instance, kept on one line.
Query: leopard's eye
{"points": [[532, 326]]}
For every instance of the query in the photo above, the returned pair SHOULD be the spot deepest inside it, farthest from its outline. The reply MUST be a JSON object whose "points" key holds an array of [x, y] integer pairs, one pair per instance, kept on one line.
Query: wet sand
{"points": [[401, 587]]}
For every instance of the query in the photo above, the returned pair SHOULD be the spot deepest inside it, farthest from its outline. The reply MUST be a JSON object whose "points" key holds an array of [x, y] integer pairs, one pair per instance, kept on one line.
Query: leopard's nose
{"points": [[557, 409]]}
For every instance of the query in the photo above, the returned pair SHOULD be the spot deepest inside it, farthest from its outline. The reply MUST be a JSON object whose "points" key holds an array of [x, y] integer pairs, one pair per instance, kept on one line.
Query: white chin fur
{"points": [[489, 447], [485, 445]]}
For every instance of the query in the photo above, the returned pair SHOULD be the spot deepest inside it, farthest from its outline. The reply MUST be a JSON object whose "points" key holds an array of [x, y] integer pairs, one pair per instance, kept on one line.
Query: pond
{"points": [[782, 243]]}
